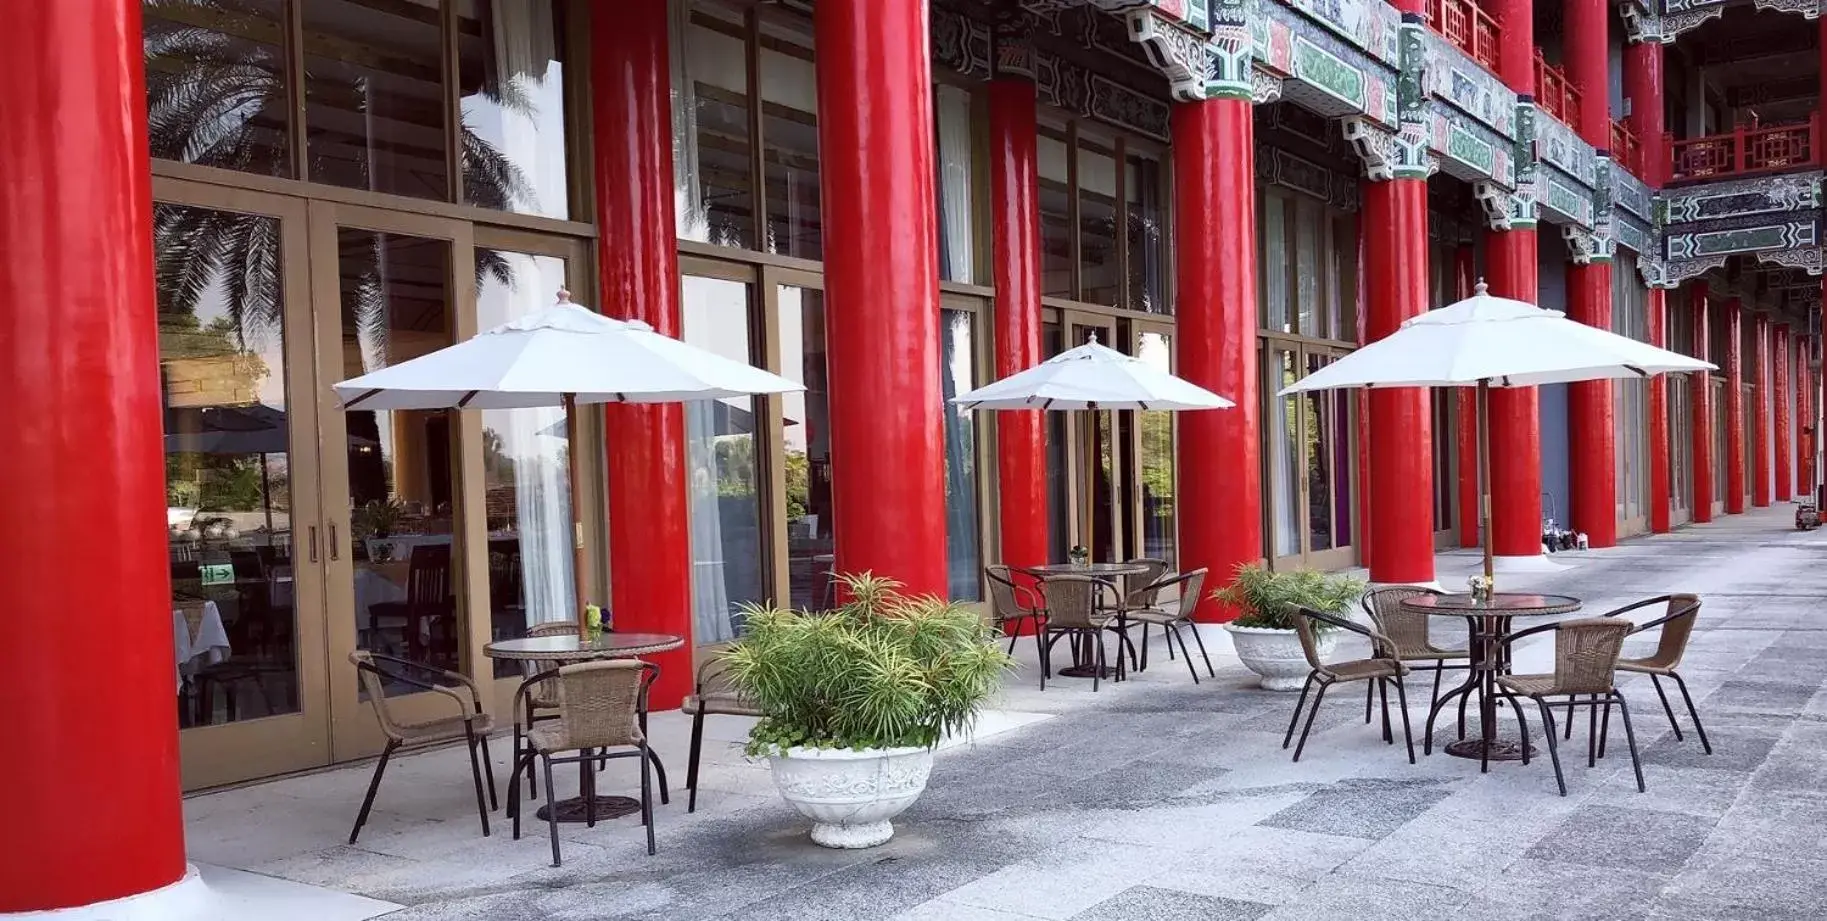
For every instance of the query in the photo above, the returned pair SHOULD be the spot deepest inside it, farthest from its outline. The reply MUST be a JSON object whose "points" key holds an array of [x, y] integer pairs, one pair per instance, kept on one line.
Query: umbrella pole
{"points": [[1484, 475], [577, 518]]}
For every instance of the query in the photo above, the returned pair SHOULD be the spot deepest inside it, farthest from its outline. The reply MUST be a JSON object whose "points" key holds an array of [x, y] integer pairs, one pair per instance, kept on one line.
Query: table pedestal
{"points": [[576, 809], [1490, 658]]}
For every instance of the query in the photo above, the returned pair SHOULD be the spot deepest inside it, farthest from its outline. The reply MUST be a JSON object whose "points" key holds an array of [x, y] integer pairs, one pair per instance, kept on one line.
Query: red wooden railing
{"points": [[1473, 30], [1751, 148], [1626, 150], [1554, 93]]}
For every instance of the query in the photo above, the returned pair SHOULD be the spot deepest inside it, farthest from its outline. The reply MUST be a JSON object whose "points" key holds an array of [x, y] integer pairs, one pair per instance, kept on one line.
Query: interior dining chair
{"points": [[469, 723]]}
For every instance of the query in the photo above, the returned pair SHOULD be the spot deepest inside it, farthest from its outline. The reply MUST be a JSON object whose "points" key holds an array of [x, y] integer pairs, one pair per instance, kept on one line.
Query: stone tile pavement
{"points": [[1156, 799]]}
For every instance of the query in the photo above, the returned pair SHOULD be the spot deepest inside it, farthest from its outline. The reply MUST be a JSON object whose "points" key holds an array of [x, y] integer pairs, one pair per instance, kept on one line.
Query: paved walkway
{"points": [[1156, 799]]}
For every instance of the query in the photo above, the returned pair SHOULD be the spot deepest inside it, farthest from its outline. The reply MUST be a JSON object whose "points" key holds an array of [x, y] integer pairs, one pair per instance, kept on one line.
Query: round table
{"points": [[1489, 620], [1083, 666], [570, 648]]}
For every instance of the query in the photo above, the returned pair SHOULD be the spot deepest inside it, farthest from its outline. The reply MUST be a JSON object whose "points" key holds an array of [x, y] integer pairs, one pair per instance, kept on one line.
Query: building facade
{"points": [[235, 204]]}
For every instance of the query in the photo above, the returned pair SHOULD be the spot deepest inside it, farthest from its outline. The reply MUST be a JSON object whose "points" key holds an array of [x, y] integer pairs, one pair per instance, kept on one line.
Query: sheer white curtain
{"points": [[954, 117], [522, 113], [688, 201], [710, 597]]}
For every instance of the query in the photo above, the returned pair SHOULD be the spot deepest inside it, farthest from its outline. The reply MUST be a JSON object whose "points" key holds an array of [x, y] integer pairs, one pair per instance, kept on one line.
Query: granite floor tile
{"points": [[1148, 903], [1636, 839]]}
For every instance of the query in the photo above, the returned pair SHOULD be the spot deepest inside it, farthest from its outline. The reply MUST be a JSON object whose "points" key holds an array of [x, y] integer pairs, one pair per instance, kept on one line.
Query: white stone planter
{"points": [[850, 796], [1276, 655]]}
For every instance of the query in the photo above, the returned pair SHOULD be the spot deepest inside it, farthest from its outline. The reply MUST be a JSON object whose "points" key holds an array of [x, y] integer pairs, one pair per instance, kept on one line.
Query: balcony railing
{"points": [[1748, 149], [1626, 150], [1466, 26], [1554, 93]]}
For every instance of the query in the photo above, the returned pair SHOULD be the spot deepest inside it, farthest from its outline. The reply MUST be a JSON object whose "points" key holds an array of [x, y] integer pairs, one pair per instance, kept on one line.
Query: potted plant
{"points": [[375, 522], [853, 700], [1264, 635]]}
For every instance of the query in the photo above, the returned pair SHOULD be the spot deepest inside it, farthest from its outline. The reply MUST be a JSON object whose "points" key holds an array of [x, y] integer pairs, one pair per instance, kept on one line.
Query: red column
{"points": [[875, 137], [1401, 469], [1804, 416], [1643, 84], [1590, 417], [1758, 439], [1779, 363], [1585, 53], [1215, 336], [1734, 408], [94, 766], [1656, 324], [1516, 470], [1511, 270], [1021, 437], [1464, 269], [649, 524], [1701, 401]]}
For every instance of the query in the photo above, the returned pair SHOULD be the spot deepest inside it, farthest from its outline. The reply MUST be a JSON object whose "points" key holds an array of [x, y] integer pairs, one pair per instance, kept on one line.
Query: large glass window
{"points": [[789, 132], [375, 114], [957, 241], [1099, 206], [715, 179], [1056, 233], [1272, 264], [1286, 454], [1629, 306], [963, 536], [807, 438], [511, 73], [216, 84], [1147, 225], [1156, 461], [725, 485]]}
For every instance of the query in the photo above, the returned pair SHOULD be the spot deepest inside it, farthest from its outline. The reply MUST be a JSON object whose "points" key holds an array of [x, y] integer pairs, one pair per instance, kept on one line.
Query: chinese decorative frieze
{"points": [[1563, 150], [1630, 196], [1324, 73], [1742, 198], [1276, 166], [1750, 238], [1457, 80], [1567, 198]]}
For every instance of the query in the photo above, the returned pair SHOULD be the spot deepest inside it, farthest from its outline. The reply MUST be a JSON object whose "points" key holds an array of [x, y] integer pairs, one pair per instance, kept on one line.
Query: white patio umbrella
{"points": [[1486, 342], [1093, 378], [564, 355]]}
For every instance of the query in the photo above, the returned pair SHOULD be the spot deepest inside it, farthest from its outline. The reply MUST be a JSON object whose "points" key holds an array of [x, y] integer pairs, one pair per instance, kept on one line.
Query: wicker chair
{"points": [[1170, 620], [469, 723], [542, 699], [1585, 666], [1082, 608], [713, 695], [1676, 625], [1408, 630], [602, 706], [1013, 604], [1382, 669], [1143, 589]]}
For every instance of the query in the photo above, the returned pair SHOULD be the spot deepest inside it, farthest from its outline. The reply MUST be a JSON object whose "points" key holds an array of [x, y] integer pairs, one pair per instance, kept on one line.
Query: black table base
{"points": [[576, 809], [1086, 671], [1498, 749]]}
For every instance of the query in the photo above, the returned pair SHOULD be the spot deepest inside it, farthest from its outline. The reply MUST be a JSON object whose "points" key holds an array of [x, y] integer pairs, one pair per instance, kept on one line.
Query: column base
{"points": [[226, 895], [1519, 564], [1433, 584]]}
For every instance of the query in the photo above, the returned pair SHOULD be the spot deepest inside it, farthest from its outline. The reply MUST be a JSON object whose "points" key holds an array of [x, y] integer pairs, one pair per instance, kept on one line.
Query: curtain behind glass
{"points": [[963, 555], [956, 262]]}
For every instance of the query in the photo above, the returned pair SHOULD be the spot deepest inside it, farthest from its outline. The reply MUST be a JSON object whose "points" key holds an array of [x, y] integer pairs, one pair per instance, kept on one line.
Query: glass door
{"points": [[794, 331], [241, 458], [1309, 460], [405, 537], [1680, 449], [1096, 456], [1152, 495]]}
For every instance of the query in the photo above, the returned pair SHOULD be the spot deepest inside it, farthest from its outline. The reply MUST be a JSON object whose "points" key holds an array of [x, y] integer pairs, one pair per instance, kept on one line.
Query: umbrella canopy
{"points": [[1095, 378], [563, 350], [1494, 340]]}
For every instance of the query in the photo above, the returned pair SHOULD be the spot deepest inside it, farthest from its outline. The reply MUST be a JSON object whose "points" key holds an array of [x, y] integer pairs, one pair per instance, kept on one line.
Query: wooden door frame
{"points": [[1337, 557], [1081, 478], [1164, 327], [770, 444], [247, 749]]}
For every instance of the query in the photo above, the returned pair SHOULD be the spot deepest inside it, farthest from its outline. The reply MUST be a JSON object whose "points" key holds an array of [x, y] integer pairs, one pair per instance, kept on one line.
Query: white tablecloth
{"points": [[207, 646]]}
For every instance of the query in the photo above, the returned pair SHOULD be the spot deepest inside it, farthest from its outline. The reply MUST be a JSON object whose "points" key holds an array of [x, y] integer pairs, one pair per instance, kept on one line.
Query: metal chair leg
{"points": [[1691, 712], [374, 783], [1554, 753], [1630, 737], [659, 770], [1176, 635], [1369, 694], [1097, 672], [691, 763], [647, 763], [1592, 730], [1288, 737], [1670, 711], [488, 773], [475, 772], [1402, 703], [1389, 738], [1604, 730], [1302, 745], [1522, 725], [1439, 669], [552, 811], [1200, 641], [513, 789], [1570, 699]]}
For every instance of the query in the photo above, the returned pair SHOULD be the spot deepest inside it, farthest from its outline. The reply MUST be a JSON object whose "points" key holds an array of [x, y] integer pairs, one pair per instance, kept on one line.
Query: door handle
{"points": [[336, 552], [312, 531]]}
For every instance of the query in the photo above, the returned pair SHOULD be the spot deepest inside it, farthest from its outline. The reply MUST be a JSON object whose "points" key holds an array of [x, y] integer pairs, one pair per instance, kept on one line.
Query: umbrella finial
{"points": [[1480, 288], [1094, 337], [564, 296]]}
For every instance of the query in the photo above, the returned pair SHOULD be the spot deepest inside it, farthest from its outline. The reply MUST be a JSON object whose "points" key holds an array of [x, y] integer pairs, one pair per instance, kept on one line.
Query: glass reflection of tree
{"points": [[215, 98]]}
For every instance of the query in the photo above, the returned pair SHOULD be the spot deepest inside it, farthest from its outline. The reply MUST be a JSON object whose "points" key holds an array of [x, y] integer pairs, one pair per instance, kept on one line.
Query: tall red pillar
{"points": [[875, 141], [1806, 434], [1021, 436], [1779, 392], [1656, 325], [1758, 438], [96, 812], [1643, 76], [1464, 270], [1734, 408], [649, 521], [1701, 401], [1511, 271], [1593, 432], [1215, 336], [1401, 469]]}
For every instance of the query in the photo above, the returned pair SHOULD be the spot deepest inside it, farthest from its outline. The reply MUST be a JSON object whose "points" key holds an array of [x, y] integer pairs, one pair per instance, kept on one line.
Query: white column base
{"points": [[1520, 564], [226, 895]]}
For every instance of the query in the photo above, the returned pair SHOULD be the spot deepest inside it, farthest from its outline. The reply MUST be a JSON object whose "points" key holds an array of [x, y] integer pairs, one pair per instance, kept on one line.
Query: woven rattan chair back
{"points": [[547, 695], [601, 704], [1406, 629], [1306, 627], [1190, 591], [1002, 594], [1677, 628], [1137, 587], [1072, 601], [374, 683], [1586, 655]]}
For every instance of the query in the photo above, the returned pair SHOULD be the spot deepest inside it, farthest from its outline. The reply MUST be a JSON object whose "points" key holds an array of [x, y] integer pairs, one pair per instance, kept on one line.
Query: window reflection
{"points": [[789, 123], [1055, 217], [714, 182], [725, 484], [374, 103], [216, 83], [963, 549], [1147, 228], [1157, 460], [511, 75], [1098, 205], [807, 439]]}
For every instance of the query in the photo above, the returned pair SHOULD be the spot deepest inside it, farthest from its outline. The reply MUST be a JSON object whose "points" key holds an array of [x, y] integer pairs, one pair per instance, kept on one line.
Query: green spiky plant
{"points": [[884, 670], [1268, 599]]}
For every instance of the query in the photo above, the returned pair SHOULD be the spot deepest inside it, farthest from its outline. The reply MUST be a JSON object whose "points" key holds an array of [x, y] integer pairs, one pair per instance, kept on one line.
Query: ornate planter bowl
{"points": [[1276, 655], [850, 796]]}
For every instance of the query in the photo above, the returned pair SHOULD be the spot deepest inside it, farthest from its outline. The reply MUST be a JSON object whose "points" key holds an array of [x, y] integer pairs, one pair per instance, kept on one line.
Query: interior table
{"points": [[1489, 621], [568, 649], [1083, 665]]}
